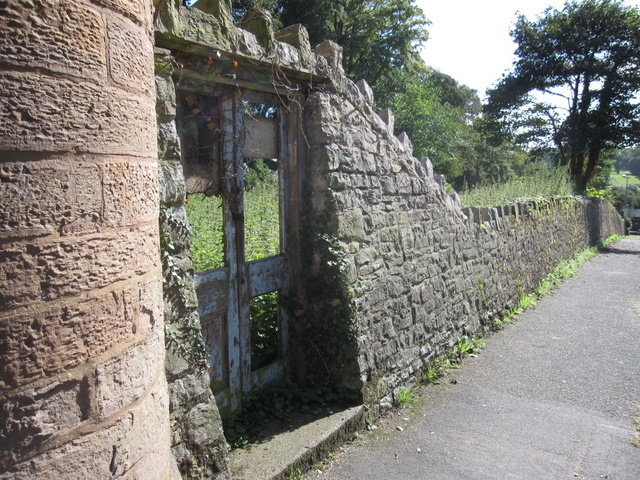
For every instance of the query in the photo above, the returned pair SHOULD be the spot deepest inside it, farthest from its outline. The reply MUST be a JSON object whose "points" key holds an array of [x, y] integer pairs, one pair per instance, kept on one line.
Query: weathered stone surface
{"points": [[129, 65], [123, 378], [366, 91], [80, 264], [388, 118], [47, 270], [134, 10], [332, 52], [54, 114], [57, 197], [34, 194], [219, 8], [110, 452], [192, 386], [126, 190], [38, 343], [172, 187], [405, 143], [422, 272], [168, 142], [64, 37], [249, 45], [165, 95], [32, 416], [298, 37], [260, 23], [180, 25]]}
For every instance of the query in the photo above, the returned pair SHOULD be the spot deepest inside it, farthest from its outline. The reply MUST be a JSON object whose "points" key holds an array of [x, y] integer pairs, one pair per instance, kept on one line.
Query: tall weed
{"points": [[539, 184], [262, 226]]}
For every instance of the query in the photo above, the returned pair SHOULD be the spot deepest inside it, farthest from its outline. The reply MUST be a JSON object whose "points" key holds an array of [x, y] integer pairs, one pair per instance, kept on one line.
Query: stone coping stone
{"points": [[300, 446]]}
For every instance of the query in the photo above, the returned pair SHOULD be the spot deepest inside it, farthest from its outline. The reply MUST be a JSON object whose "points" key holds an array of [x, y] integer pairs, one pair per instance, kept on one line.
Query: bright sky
{"points": [[469, 39]]}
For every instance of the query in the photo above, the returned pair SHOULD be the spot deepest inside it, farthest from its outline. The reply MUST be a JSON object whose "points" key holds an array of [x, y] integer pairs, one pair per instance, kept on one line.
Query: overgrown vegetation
{"points": [[451, 360], [265, 330], [564, 270], [261, 220], [538, 184], [406, 396]]}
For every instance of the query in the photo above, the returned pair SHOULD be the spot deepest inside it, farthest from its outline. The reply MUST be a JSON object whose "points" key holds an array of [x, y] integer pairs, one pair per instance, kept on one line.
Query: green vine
{"points": [[183, 332]]}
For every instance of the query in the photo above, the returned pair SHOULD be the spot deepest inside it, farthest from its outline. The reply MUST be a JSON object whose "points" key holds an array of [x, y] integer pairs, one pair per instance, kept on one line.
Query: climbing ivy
{"points": [[183, 331]]}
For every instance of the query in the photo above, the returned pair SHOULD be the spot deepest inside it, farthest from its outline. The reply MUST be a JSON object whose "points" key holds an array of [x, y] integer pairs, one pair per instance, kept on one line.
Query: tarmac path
{"points": [[552, 396]]}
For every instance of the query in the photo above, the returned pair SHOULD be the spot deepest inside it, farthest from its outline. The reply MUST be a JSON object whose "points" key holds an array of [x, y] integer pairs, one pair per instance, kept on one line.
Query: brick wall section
{"points": [[421, 271], [82, 387]]}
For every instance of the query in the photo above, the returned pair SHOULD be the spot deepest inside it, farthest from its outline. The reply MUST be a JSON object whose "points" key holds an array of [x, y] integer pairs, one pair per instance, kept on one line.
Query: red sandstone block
{"points": [[111, 451], [136, 9], [38, 343], [130, 56], [151, 305], [30, 417], [48, 197], [42, 113], [36, 270], [122, 379], [64, 37], [66, 196], [130, 193]]}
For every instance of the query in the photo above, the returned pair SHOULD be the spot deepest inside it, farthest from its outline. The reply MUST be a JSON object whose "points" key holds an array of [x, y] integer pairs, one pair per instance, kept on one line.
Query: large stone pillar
{"points": [[82, 385]]}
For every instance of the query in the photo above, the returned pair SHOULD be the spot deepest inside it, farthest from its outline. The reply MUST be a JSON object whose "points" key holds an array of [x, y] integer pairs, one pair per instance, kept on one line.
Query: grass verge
{"points": [[565, 269]]}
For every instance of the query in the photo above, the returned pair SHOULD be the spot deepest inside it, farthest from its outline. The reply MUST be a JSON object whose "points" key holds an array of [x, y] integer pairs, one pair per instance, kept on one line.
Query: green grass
{"points": [[205, 220], [618, 179], [467, 346], [262, 226], [406, 396], [541, 184], [438, 369]]}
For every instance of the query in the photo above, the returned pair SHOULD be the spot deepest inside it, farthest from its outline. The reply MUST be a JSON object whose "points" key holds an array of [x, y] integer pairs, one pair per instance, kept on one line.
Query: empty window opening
{"points": [[265, 330], [205, 218], [261, 181]]}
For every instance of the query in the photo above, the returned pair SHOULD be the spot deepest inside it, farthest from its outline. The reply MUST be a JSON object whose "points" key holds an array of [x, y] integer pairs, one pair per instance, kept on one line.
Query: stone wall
{"points": [[393, 271], [417, 272], [82, 387]]}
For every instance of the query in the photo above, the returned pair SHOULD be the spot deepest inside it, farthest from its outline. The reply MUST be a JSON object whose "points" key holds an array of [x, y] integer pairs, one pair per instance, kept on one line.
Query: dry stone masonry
{"points": [[103, 368]]}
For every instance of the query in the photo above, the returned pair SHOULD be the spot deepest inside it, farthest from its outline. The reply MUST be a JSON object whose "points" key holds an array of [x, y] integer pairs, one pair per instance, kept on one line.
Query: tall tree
{"points": [[376, 35], [586, 55], [435, 111]]}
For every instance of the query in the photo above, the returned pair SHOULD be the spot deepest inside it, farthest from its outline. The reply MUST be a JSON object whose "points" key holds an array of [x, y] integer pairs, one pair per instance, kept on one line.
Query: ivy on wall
{"points": [[182, 330]]}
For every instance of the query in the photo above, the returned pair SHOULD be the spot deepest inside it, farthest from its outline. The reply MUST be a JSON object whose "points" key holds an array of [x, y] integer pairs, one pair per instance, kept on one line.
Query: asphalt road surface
{"points": [[552, 396]]}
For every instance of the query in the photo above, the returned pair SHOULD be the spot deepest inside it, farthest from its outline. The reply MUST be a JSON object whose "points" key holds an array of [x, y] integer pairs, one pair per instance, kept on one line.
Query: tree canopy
{"points": [[574, 83], [376, 35]]}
